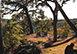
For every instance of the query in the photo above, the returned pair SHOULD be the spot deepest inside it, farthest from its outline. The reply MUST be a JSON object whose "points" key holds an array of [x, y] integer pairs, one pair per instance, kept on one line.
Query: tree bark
{"points": [[55, 27], [1, 39], [55, 15], [29, 20]]}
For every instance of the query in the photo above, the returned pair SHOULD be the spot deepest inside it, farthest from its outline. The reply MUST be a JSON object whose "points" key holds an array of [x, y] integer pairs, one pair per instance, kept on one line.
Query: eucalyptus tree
{"points": [[55, 13], [26, 7], [20, 6], [66, 17]]}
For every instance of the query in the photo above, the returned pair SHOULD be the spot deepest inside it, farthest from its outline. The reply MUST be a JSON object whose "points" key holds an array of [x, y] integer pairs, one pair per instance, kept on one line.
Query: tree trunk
{"points": [[67, 19], [29, 20], [55, 27], [55, 15], [1, 39]]}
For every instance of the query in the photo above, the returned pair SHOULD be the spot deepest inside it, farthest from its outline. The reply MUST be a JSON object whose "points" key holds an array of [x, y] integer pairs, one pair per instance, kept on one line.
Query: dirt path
{"points": [[57, 49], [61, 48]]}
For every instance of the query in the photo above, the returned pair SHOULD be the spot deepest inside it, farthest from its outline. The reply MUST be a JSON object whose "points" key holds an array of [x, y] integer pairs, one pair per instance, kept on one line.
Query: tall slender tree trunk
{"points": [[67, 19], [1, 39], [29, 20], [55, 15], [55, 27]]}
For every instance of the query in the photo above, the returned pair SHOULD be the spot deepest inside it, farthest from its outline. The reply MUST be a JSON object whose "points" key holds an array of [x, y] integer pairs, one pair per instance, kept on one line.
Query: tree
{"points": [[67, 19], [17, 6], [12, 32], [57, 8], [23, 22], [54, 12], [1, 36], [26, 7]]}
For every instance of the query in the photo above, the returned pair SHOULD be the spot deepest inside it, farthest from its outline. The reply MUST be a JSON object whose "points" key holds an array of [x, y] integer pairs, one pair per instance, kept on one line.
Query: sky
{"points": [[70, 9]]}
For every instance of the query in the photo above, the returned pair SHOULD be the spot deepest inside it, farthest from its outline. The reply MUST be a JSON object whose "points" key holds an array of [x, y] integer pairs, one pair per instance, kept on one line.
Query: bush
{"points": [[28, 48]]}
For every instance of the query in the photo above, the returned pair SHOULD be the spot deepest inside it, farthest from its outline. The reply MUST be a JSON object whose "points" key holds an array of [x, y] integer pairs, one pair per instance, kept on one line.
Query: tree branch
{"points": [[13, 10], [49, 6], [30, 1]]}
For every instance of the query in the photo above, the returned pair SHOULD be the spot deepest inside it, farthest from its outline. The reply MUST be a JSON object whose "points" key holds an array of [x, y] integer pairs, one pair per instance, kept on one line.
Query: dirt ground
{"points": [[60, 49]]}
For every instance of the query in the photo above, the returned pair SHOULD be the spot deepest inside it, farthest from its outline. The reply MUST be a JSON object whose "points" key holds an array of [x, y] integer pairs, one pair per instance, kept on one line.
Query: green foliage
{"points": [[23, 22], [44, 26], [76, 25], [25, 26], [64, 28], [11, 32]]}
